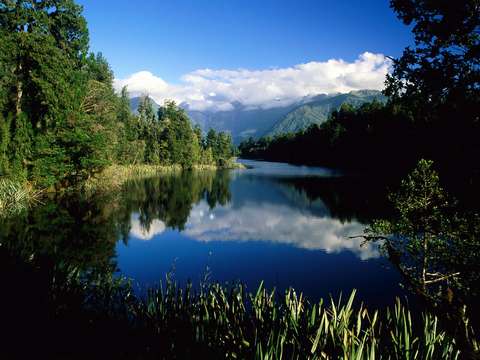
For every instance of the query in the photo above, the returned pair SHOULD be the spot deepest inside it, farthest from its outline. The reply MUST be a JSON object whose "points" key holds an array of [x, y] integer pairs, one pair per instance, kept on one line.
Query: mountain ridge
{"points": [[318, 111], [135, 101], [243, 122]]}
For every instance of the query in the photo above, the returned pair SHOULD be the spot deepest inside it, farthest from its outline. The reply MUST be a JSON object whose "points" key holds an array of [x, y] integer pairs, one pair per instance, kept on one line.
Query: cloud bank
{"points": [[218, 90]]}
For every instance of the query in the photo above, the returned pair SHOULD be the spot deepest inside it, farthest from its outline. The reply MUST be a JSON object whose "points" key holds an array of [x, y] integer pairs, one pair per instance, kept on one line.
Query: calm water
{"points": [[260, 224], [283, 224]]}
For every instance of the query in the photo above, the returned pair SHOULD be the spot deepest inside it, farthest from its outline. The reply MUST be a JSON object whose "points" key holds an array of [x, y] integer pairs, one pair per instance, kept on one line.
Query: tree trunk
{"points": [[18, 100], [425, 263]]}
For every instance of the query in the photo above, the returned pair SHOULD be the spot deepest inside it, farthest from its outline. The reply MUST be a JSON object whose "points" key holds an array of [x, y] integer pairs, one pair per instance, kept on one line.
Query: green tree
{"points": [[131, 149], [433, 245], [437, 81], [211, 140], [182, 144], [21, 147], [4, 146], [145, 110], [48, 42], [98, 69], [124, 111], [221, 145], [444, 65]]}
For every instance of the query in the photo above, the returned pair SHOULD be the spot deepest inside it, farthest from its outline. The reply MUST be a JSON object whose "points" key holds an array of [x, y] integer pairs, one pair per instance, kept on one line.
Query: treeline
{"points": [[167, 137], [376, 136], [380, 138], [350, 138], [60, 118], [433, 110]]}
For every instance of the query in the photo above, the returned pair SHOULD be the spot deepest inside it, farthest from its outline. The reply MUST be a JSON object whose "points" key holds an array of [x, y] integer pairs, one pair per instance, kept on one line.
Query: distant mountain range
{"points": [[243, 122]]}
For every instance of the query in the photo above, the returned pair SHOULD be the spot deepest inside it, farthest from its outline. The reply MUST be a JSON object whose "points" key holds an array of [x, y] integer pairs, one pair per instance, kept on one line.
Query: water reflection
{"points": [[142, 232], [246, 225], [282, 228], [277, 224], [275, 169], [260, 209]]}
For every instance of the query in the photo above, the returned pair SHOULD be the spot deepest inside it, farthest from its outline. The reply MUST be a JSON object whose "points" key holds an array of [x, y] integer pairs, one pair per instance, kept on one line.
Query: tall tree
{"points": [[437, 81], [444, 64]]}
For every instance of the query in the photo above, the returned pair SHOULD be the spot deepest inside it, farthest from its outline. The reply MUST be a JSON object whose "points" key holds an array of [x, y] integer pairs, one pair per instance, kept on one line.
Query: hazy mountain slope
{"points": [[318, 110], [240, 122], [243, 122], [135, 101]]}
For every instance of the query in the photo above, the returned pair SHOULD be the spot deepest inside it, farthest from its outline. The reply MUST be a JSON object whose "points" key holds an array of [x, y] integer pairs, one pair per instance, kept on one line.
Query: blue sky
{"points": [[170, 39], [178, 36]]}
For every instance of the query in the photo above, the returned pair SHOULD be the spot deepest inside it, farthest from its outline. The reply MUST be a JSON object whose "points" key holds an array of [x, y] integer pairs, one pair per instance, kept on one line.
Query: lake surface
{"points": [[281, 224], [257, 224]]}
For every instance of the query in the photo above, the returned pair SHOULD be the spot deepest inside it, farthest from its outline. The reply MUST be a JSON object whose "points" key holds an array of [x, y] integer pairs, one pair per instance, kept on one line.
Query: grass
{"points": [[238, 325], [217, 322], [16, 197], [115, 175], [56, 311]]}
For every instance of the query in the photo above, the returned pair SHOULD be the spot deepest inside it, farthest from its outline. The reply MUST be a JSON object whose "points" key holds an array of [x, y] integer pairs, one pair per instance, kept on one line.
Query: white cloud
{"points": [[219, 89]]}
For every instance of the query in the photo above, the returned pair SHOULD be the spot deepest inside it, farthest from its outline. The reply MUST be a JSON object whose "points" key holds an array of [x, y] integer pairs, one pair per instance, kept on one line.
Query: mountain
{"points": [[241, 122], [135, 101], [319, 108], [244, 122]]}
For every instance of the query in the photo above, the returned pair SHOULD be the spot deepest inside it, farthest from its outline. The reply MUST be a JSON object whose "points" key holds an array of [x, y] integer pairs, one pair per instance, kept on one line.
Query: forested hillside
{"points": [[318, 110], [60, 119], [244, 122]]}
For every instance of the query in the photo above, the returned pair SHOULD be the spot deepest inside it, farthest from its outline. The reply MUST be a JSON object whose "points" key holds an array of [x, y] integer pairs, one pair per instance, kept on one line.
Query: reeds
{"points": [[15, 197], [221, 322], [114, 176]]}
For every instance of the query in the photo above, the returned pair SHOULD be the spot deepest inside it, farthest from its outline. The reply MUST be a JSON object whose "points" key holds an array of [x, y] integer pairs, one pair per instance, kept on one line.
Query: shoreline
{"points": [[16, 196], [114, 176]]}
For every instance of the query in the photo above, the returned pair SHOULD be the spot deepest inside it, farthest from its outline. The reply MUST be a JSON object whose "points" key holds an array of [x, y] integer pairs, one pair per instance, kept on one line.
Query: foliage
{"points": [[60, 119], [443, 68], [438, 79], [219, 322], [434, 245], [350, 139], [220, 145]]}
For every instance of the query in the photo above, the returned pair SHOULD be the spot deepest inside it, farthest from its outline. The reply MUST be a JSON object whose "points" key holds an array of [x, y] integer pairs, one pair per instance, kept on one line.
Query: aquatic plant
{"points": [[216, 321]]}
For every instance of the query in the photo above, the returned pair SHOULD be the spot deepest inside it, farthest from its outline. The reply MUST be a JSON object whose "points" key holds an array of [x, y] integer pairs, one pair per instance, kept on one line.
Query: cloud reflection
{"points": [[278, 224], [140, 232]]}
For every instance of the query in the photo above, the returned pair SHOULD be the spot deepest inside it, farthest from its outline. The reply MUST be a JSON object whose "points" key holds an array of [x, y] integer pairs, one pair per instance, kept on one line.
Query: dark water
{"points": [[285, 225]]}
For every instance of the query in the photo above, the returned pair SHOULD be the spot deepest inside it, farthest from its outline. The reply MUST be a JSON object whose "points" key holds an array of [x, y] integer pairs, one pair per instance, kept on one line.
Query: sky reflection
{"points": [[277, 224]]}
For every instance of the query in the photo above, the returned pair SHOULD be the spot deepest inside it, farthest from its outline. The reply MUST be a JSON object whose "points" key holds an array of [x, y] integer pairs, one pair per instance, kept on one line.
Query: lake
{"points": [[286, 225]]}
